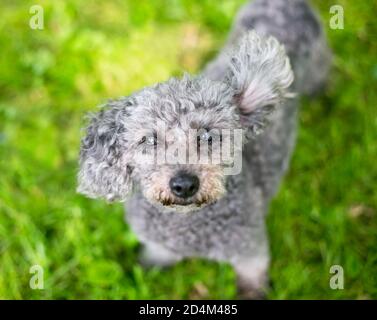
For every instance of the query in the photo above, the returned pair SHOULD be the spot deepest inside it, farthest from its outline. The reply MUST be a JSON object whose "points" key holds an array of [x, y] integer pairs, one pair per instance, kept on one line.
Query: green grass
{"points": [[324, 214]]}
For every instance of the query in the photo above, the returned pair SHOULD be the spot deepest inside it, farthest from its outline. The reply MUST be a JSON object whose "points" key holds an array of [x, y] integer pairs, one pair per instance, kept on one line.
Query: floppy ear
{"points": [[104, 165], [260, 73]]}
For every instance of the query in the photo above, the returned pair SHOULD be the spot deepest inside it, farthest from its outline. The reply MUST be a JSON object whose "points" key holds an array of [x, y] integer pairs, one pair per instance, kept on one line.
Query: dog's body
{"points": [[231, 225]]}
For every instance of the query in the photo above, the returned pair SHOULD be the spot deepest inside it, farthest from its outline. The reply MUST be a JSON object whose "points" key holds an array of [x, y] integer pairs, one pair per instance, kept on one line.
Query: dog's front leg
{"points": [[154, 254], [252, 277]]}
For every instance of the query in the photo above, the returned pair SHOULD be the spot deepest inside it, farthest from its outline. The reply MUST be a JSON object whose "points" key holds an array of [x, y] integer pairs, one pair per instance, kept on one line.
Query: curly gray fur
{"points": [[250, 78]]}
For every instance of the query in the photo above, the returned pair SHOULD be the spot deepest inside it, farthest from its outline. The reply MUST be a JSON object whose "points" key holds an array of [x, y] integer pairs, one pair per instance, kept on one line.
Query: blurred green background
{"points": [[324, 214]]}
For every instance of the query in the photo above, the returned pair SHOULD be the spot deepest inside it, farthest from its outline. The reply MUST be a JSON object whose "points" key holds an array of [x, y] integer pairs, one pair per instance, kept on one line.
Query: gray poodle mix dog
{"points": [[275, 52]]}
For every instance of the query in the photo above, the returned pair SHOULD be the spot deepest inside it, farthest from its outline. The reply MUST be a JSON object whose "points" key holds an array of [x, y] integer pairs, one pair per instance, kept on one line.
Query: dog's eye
{"points": [[151, 140], [205, 136]]}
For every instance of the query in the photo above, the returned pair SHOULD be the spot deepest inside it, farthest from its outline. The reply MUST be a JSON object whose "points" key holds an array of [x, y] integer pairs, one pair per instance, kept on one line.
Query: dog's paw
{"points": [[249, 291]]}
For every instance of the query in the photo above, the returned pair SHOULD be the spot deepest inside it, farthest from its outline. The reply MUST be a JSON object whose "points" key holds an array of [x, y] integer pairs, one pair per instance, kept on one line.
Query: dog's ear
{"points": [[104, 163], [260, 73]]}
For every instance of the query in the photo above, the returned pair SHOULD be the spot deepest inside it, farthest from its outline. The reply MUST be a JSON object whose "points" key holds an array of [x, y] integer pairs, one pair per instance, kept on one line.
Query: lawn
{"points": [[325, 213]]}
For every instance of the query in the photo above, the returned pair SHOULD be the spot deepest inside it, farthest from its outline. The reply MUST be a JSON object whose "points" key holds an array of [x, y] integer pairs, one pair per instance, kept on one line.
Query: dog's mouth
{"points": [[183, 203], [183, 207], [178, 205], [177, 195]]}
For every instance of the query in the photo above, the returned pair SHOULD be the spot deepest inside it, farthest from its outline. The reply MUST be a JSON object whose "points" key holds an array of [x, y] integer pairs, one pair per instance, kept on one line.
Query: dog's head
{"points": [[176, 140]]}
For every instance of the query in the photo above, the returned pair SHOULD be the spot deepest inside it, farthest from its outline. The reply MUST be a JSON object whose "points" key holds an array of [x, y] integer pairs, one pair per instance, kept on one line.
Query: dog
{"points": [[276, 52]]}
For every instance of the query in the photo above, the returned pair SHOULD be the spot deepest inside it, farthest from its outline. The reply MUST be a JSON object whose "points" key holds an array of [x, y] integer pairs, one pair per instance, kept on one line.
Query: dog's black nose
{"points": [[184, 185]]}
